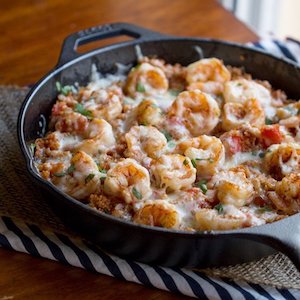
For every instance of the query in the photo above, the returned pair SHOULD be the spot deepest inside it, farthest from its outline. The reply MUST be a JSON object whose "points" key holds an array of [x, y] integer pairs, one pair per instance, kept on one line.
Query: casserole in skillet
{"points": [[138, 241]]}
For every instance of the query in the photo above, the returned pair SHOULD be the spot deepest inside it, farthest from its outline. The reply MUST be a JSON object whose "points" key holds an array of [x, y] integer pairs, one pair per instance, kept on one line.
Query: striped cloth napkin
{"points": [[32, 240]]}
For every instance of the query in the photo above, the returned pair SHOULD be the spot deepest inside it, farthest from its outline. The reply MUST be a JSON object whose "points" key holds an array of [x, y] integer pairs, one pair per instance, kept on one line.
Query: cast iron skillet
{"points": [[138, 242]]}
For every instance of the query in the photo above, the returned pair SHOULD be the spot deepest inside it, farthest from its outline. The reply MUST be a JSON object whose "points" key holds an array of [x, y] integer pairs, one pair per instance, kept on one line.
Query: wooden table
{"points": [[31, 34]]}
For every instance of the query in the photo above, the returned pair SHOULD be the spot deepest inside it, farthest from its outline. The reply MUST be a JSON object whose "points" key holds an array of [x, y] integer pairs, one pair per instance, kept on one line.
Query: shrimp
{"points": [[174, 172], [207, 75], [146, 79], [206, 152], [233, 187], [282, 159], [143, 141], [105, 103], [158, 213], [250, 112], [128, 180], [241, 90], [211, 219], [291, 126], [287, 197], [149, 113], [80, 179], [199, 112], [99, 138]]}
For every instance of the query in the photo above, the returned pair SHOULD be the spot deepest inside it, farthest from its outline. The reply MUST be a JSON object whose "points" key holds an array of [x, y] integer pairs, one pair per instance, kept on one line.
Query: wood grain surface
{"points": [[31, 34]]}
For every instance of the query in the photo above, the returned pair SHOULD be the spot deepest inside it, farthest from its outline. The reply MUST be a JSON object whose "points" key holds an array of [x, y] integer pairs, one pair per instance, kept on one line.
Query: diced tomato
{"points": [[271, 135], [235, 144]]}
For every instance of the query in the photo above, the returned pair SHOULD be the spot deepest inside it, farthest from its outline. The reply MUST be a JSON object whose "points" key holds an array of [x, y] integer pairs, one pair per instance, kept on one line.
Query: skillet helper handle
{"points": [[71, 43], [283, 236]]}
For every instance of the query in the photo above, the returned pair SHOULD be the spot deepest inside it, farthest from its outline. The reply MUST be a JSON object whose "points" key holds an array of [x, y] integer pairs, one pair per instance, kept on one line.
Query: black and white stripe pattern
{"points": [[289, 49], [32, 240]]}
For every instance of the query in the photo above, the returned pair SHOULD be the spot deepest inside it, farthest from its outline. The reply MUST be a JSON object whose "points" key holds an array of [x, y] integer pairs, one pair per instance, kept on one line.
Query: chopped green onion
{"points": [[202, 185], [208, 159], [219, 207], [171, 144], [89, 177], [71, 169], [167, 135], [103, 173], [80, 109], [106, 211], [59, 174], [32, 148], [140, 88], [185, 162], [136, 193], [268, 121], [263, 209], [65, 90], [193, 163], [58, 86], [174, 92], [254, 153]]}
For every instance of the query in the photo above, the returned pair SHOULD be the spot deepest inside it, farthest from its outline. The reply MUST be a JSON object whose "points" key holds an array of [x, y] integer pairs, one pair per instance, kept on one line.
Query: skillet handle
{"points": [[68, 51], [283, 236]]}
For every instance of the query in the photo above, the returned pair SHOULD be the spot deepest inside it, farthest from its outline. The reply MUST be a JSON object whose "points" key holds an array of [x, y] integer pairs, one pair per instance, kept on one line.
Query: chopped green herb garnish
{"points": [[268, 121], [202, 185], [264, 209], [219, 207], [298, 112], [174, 92], [208, 159], [80, 109], [32, 148], [58, 86], [103, 173], [89, 177], [136, 193], [194, 163], [140, 88], [65, 90], [239, 84], [185, 162], [254, 153], [71, 169], [59, 174], [171, 144], [167, 135], [106, 211]]}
